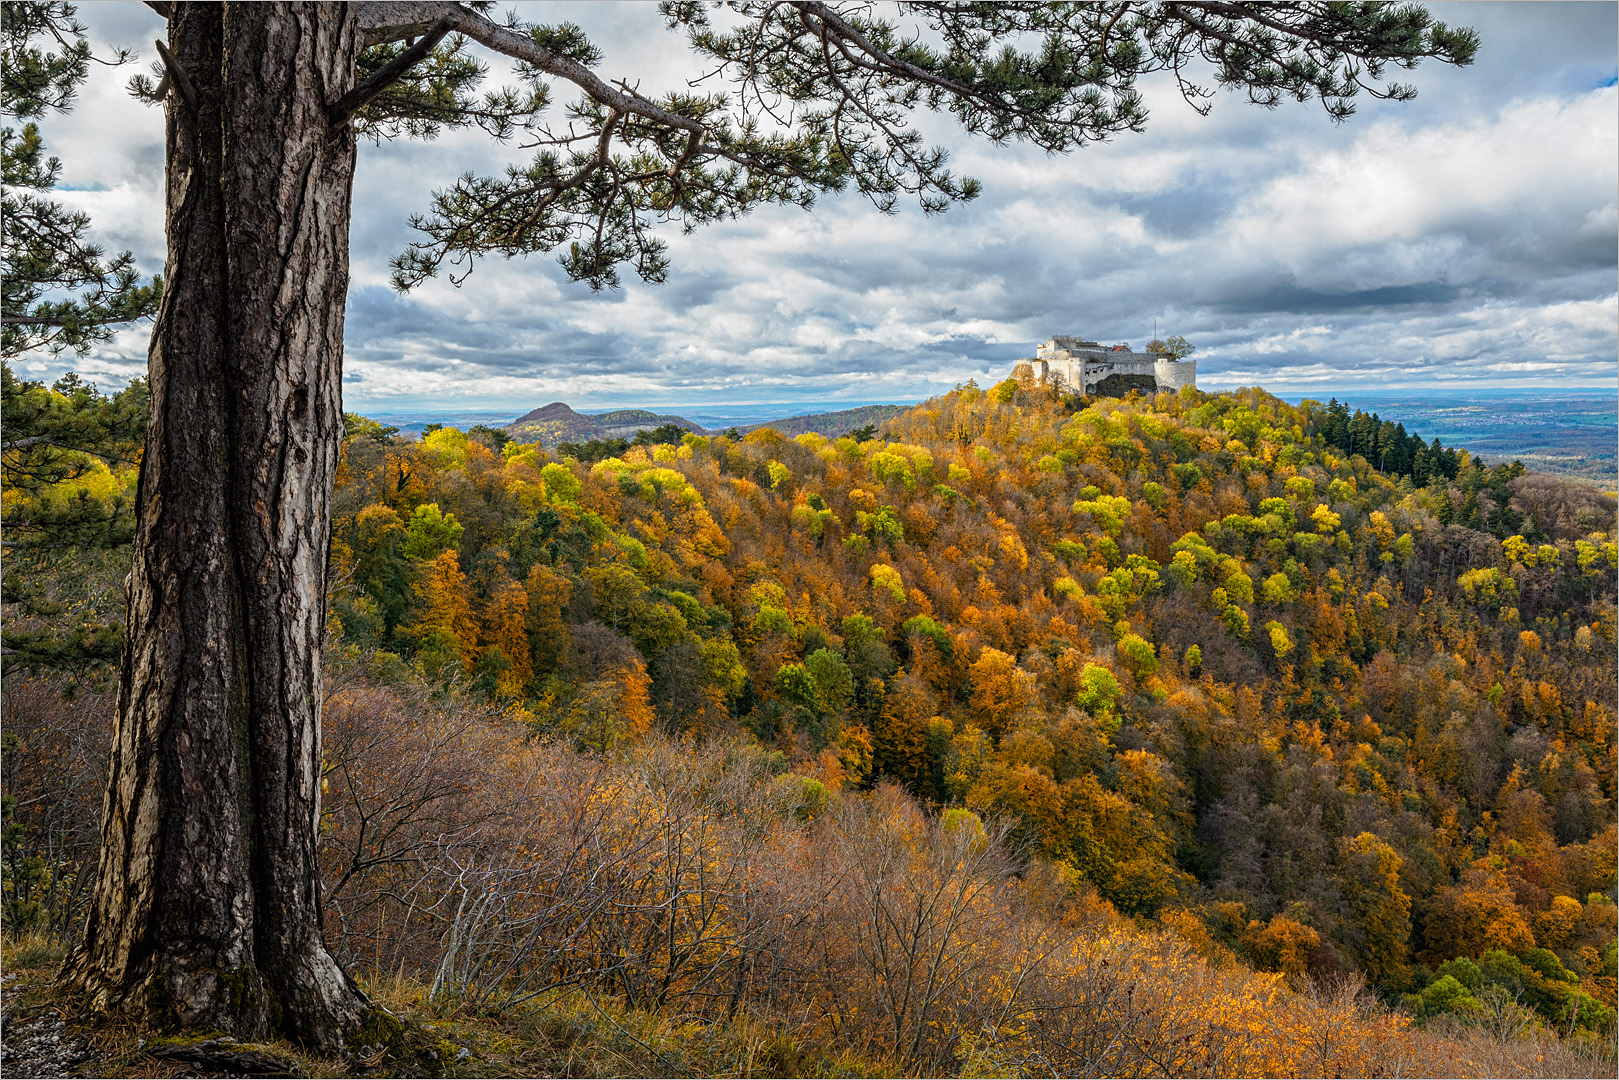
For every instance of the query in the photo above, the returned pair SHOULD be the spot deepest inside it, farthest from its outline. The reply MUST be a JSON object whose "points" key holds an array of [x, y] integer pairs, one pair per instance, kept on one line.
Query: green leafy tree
{"points": [[68, 518], [1137, 654], [796, 684], [833, 681], [429, 532]]}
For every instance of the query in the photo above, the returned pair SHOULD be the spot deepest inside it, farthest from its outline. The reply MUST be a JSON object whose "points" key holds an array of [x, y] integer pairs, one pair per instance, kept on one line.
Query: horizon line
{"points": [[822, 405]]}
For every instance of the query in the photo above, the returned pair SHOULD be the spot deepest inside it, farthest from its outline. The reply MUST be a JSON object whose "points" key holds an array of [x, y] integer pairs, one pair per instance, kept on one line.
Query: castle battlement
{"points": [[1089, 367]]}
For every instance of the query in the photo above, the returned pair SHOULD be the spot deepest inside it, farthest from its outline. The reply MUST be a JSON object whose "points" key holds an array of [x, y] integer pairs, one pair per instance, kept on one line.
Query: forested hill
{"points": [[1197, 661], [833, 424], [557, 422], [1210, 662]]}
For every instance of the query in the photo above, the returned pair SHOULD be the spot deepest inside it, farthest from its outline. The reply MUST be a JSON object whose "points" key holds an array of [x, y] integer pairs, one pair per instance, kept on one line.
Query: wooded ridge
{"points": [[1182, 673]]}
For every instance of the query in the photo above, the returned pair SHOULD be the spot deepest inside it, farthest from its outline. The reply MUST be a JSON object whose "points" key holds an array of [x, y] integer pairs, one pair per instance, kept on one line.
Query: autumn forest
{"points": [[1029, 735]]}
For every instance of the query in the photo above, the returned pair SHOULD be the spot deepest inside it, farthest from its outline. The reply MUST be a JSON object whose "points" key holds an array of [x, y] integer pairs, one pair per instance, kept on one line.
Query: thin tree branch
{"points": [[32, 440], [839, 27], [382, 20], [32, 320], [351, 102], [178, 74]]}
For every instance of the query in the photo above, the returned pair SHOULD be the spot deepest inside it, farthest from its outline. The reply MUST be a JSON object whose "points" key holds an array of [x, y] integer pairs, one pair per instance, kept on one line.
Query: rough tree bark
{"points": [[207, 909]]}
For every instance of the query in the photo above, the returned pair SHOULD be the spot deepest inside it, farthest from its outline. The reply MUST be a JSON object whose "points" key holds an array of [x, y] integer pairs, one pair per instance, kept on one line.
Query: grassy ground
{"points": [[575, 1035]]}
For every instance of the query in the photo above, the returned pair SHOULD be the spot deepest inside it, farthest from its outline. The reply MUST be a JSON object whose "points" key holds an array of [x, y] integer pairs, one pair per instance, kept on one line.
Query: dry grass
{"points": [[574, 1034], [1470, 1050], [586, 1035]]}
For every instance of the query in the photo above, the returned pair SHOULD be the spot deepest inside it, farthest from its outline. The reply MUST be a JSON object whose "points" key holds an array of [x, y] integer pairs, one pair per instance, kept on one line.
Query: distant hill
{"points": [[557, 422], [832, 424]]}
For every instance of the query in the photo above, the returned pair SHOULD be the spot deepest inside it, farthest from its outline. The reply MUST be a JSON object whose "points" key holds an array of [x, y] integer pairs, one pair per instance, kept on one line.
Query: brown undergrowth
{"points": [[692, 908], [582, 1034]]}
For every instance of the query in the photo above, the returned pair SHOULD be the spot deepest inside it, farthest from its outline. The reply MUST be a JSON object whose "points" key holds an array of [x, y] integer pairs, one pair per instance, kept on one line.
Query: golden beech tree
{"points": [[1000, 691], [1382, 910], [444, 626], [505, 628], [1474, 917], [610, 710], [1282, 945], [900, 742], [548, 593]]}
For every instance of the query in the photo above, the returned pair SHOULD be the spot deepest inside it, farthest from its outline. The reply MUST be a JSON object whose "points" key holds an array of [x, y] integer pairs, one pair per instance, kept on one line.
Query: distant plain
{"points": [[1570, 432]]}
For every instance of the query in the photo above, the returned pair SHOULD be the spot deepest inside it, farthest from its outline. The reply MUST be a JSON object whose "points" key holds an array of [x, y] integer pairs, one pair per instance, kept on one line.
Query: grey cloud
{"points": [[1291, 298]]}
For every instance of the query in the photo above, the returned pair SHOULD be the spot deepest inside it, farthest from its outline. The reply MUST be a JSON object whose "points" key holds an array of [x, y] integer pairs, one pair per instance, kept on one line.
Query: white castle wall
{"points": [[1084, 364], [1172, 375]]}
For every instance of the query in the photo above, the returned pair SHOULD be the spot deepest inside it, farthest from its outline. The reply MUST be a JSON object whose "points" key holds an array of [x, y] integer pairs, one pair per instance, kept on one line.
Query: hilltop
{"points": [[557, 422]]}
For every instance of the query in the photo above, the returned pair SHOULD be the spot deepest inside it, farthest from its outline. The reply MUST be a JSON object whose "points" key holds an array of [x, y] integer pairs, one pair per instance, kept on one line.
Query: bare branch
{"points": [[389, 74], [23, 444], [394, 20], [31, 320], [385, 20], [178, 74], [836, 26]]}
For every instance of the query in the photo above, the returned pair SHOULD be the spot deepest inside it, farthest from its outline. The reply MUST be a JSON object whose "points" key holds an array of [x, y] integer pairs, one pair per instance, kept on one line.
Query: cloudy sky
{"points": [[1466, 239]]}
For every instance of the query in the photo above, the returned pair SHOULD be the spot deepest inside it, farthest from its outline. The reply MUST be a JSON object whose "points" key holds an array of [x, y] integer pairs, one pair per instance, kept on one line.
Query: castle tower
{"points": [[1172, 375]]}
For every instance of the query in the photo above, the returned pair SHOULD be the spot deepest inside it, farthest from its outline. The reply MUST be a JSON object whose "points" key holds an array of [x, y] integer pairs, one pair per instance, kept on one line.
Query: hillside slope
{"points": [[1113, 706], [1205, 659]]}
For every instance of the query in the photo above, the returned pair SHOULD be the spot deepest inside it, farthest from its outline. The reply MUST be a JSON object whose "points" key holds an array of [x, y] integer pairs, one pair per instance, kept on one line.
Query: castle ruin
{"points": [[1089, 367]]}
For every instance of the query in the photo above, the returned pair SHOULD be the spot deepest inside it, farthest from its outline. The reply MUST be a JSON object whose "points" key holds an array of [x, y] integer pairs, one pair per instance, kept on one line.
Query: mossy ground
{"points": [[576, 1035]]}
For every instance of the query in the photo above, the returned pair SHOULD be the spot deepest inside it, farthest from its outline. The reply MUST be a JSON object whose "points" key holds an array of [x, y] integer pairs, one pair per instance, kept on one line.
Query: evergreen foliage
{"points": [[46, 253], [70, 457]]}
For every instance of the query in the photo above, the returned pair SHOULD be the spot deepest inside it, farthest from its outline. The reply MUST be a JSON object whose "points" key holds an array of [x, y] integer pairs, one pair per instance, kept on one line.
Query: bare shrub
{"points": [[924, 944], [54, 770], [413, 786], [1564, 509]]}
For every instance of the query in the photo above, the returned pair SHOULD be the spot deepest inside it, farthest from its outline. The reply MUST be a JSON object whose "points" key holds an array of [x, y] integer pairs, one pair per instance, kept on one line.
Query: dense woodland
{"points": [[944, 744]]}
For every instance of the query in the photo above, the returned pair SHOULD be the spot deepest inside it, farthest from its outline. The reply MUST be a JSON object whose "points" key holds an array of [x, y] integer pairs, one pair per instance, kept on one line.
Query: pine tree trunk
{"points": [[206, 912]]}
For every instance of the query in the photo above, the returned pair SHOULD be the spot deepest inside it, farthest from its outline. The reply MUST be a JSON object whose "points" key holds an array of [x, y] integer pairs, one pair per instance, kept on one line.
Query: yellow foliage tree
{"points": [[611, 710], [1000, 690], [445, 627], [504, 628], [1474, 917], [900, 743], [1381, 927], [547, 593]]}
